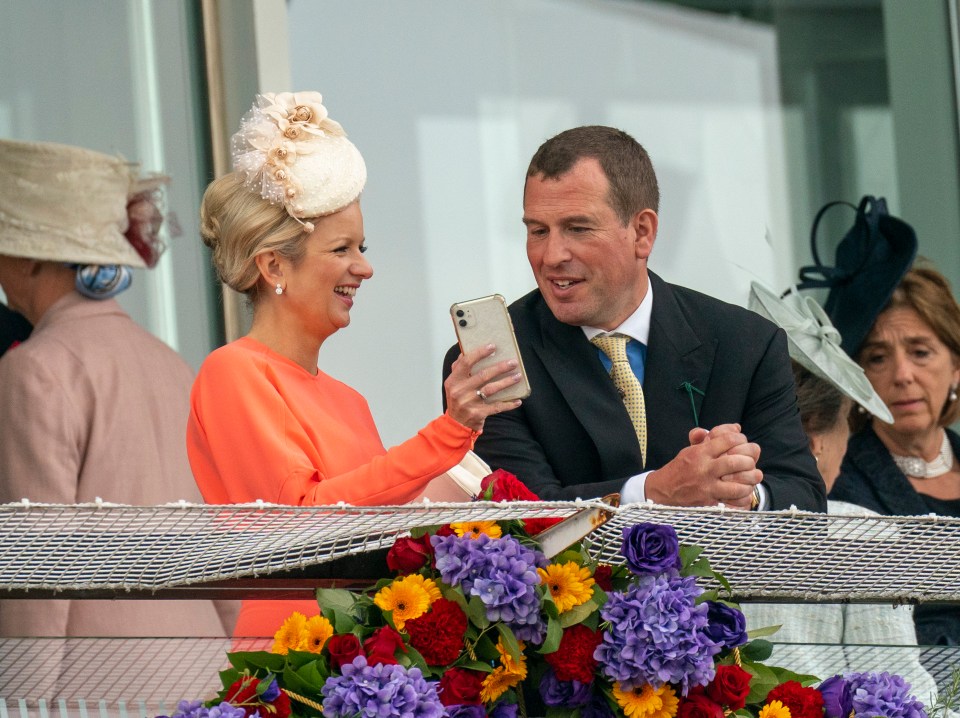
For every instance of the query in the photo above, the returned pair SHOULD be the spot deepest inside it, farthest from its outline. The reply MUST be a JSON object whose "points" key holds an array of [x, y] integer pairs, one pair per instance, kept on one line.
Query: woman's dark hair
{"points": [[819, 401]]}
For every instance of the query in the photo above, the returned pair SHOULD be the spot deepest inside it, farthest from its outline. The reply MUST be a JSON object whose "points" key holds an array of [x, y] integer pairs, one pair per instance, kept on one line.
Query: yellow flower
{"points": [[318, 631], [569, 584], [505, 676], [291, 635], [646, 701], [407, 598], [473, 529], [774, 709]]}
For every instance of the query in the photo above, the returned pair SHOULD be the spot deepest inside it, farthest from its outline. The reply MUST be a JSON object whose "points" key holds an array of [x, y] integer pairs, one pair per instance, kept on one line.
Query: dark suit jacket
{"points": [[573, 437], [13, 328], [868, 477]]}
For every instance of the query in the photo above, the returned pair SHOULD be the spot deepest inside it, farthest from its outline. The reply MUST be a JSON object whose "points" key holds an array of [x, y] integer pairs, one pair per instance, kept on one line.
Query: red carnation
{"points": [[507, 487], [730, 687], [802, 702], [382, 646], [438, 634], [460, 686], [409, 554], [603, 575], [699, 706], [573, 660], [343, 648]]}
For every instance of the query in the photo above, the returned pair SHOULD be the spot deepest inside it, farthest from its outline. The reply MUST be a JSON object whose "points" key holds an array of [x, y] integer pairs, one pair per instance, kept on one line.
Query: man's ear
{"points": [[645, 223], [268, 263]]}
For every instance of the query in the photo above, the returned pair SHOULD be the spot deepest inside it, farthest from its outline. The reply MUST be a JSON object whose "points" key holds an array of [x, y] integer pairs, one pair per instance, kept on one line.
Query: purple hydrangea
{"points": [[196, 709], [563, 694], [883, 694], [650, 548], [502, 572], [380, 691], [656, 634]]}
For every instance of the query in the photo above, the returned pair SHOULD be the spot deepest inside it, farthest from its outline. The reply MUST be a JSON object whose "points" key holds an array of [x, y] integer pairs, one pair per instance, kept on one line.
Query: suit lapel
{"points": [[574, 366], [675, 357]]}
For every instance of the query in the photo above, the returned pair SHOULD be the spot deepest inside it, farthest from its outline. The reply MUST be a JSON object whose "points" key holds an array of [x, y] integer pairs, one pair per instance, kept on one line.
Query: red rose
{"points": [[382, 646], [802, 702], [730, 687], [603, 575], [343, 648], [409, 554], [573, 660], [504, 486], [242, 693], [445, 530], [699, 706], [438, 634], [460, 686]]}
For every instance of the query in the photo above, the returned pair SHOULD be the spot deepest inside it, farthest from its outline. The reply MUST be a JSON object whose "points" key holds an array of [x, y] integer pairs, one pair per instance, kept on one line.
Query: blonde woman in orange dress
{"points": [[266, 423]]}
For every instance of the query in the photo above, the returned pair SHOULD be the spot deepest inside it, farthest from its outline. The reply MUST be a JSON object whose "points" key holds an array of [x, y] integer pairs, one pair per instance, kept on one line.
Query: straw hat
{"points": [[69, 204]]}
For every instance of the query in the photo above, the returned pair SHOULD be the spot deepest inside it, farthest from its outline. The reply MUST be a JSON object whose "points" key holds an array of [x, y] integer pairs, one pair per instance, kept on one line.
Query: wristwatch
{"points": [[755, 499]]}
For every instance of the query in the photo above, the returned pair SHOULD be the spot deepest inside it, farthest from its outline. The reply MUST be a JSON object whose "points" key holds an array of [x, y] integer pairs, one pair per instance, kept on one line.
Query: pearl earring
{"points": [[279, 289], [953, 393]]}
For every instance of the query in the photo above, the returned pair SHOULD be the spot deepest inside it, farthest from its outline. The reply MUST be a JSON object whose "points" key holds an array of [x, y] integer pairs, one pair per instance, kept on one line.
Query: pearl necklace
{"points": [[917, 468]]}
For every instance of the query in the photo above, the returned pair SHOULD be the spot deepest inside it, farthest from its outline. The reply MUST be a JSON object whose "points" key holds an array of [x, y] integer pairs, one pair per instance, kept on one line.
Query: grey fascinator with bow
{"points": [[814, 343]]}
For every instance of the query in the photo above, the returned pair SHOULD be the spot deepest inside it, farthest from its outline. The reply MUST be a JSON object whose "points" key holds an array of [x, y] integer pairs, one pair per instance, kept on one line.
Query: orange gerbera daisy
{"points": [[646, 701], [774, 709], [570, 584], [291, 635], [505, 676], [474, 529], [318, 631], [407, 598]]}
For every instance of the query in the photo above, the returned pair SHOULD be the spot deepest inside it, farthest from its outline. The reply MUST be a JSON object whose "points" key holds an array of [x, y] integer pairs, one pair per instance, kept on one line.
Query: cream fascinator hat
{"points": [[814, 343], [291, 153], [67, 204]]}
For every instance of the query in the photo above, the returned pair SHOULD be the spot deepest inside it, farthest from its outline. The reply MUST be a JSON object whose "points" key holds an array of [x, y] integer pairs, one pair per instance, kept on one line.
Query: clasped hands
{"points": [[719, 466]]}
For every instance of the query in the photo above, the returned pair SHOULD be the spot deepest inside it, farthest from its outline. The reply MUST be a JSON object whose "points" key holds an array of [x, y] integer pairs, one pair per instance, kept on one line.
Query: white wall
{"points": [[448, 101]]}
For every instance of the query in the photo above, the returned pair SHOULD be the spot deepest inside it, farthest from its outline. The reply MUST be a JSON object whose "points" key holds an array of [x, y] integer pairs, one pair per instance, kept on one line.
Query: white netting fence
{"points": [[769, 555]]}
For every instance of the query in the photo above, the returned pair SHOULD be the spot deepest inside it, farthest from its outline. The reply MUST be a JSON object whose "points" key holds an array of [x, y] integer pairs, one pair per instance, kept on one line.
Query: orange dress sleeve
{"points": [[261, 427]]}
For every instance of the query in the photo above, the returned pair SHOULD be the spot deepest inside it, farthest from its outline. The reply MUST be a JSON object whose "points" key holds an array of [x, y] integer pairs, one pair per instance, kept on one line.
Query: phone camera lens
{"points": [[460, 314], [462, 322]]}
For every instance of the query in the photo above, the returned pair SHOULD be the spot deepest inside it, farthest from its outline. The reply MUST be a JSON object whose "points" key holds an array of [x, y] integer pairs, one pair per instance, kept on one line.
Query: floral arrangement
{"points": [[479, 622]]}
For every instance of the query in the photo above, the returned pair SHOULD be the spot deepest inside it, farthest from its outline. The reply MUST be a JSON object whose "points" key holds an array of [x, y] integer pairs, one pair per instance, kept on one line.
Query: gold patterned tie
{"points": [[615, 347]]}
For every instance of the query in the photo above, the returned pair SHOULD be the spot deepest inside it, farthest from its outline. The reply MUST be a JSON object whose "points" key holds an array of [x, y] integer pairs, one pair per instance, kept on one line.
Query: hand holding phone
{"points": [[483, 321]]}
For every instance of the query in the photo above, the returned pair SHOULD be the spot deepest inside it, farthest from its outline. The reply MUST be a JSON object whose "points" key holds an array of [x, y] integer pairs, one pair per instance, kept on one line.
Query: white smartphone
{"points": [[483, 321]]}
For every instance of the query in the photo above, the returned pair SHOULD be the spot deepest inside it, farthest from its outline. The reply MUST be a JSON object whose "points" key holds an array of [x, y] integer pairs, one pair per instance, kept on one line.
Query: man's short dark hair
{"points": [[627, 166]]}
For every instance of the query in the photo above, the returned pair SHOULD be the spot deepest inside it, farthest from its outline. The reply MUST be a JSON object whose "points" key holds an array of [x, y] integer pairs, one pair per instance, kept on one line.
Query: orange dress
{"points": [[262, 427]]}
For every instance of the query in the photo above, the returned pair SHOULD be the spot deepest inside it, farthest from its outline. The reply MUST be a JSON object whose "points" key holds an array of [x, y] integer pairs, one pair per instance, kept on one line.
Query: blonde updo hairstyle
{"points": [[238, 225]]}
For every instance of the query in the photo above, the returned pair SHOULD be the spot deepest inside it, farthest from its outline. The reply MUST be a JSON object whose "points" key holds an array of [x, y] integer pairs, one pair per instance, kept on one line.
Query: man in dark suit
{"points": [[721, 423]]}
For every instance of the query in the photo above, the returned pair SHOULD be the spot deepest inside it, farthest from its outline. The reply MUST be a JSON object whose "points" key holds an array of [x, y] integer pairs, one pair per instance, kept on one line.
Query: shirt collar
{"points": [[636, 326]]}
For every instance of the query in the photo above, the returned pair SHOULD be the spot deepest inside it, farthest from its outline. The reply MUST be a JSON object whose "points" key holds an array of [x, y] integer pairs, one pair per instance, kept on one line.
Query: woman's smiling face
{"points": [[319, 290]]}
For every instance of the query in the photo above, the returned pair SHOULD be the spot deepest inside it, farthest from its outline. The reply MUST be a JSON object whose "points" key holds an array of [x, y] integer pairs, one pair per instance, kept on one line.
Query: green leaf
{"points": [[562, 712], [578, 614], [700, 567], [338, 599], [756, 650], [554, 633], [689, 554], [453, 594], [764, 681], [477, 612], [509, 641], [476, 666], [763, 631], [722, 580]]}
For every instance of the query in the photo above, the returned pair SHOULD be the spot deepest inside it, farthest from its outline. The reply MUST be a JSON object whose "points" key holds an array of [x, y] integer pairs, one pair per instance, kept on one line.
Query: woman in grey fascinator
{"points": [[829, 385], [91, 405], [286, 230]]}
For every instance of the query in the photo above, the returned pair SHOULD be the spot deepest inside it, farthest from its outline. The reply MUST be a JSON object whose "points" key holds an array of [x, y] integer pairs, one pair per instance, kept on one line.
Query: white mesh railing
{"points": [[769, 555]]}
